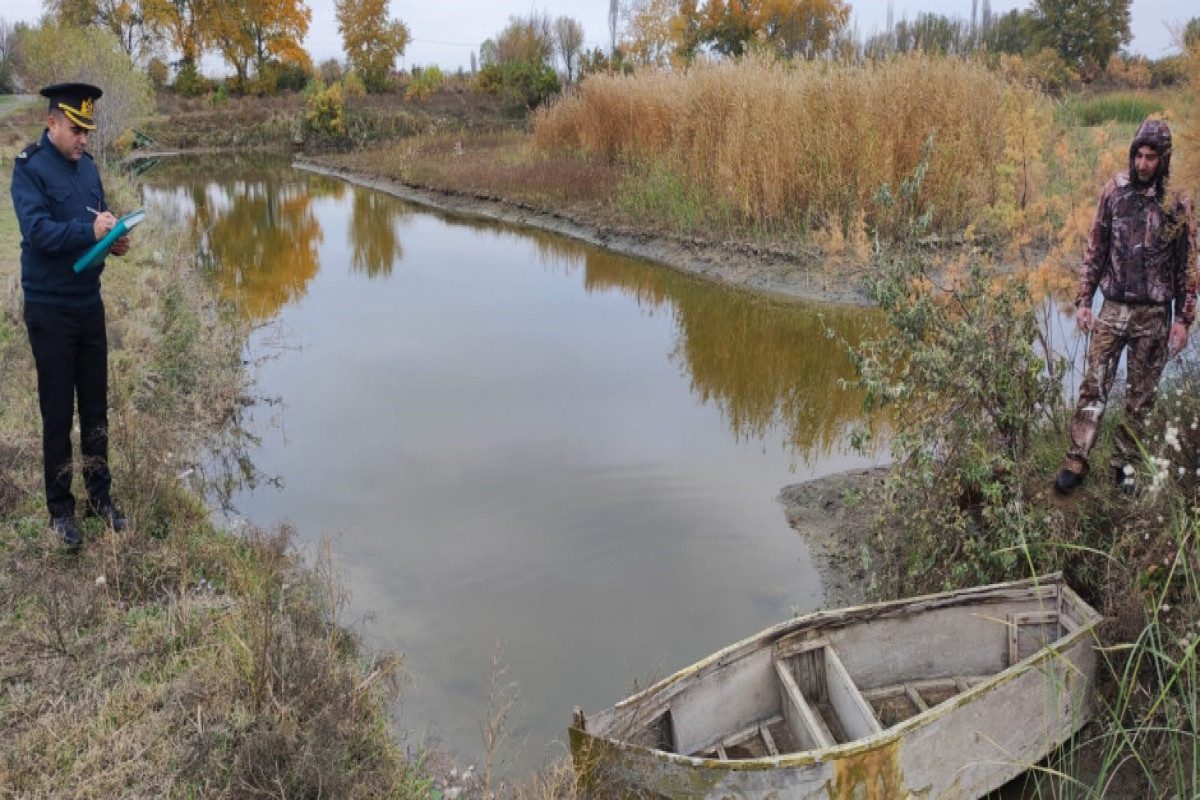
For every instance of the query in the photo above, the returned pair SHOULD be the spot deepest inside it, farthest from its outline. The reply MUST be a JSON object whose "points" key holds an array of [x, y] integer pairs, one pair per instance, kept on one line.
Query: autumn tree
{"points": [[1011, 33], [9, 35], [528, 39], [259, 33], [790, 27], [132, 22], [184, 25], [647, 32], [372, 42], [659, 32], [1086, 33], [1191, 34], [519, 61], [568, 36], [933, 33]]}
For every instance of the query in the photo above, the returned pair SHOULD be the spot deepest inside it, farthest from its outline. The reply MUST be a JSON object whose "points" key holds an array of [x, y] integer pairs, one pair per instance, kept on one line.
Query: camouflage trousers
{"points": [[1143, 329]]}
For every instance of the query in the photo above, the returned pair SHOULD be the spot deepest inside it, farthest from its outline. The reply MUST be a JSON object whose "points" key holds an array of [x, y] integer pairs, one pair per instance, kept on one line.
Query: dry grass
{"points": [[494, 165], [1185, 163], [786, 145]]}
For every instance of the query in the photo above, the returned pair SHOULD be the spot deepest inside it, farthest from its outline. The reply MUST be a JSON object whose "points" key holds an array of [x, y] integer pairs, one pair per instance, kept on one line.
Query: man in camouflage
{"points": [[1139, 255]]}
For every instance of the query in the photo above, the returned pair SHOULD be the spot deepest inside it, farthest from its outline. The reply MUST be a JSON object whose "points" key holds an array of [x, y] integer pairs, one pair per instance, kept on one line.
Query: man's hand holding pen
{"points": [[105, 221]]}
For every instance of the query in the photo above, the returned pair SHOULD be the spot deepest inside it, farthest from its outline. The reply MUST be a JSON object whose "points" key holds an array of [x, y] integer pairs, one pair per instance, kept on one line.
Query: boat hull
{"points": [[962, 747]]}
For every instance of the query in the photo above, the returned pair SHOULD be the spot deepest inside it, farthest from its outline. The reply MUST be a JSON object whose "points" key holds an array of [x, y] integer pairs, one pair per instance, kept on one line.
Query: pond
{"points": [[518, 444]]}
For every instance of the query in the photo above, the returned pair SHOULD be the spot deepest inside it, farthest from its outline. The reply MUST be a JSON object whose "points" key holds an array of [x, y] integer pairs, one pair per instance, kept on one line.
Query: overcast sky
{"points": [[445, 33]]}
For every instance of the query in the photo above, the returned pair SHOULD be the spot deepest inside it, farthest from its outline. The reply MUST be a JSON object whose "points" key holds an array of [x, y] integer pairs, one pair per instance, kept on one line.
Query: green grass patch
{"points": [[656, 193], [1100, 109]]}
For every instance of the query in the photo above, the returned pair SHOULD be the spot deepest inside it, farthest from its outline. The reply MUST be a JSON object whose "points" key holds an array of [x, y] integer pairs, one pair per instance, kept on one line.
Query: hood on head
{"points": [[1156, 134]]}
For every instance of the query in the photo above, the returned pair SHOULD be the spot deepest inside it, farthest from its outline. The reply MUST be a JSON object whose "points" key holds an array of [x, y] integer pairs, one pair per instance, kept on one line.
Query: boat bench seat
{"points": [[820, 703]]}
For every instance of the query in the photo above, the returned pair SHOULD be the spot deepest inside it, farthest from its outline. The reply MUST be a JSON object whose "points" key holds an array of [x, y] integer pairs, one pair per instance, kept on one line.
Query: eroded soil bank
{"points": [[737, 264]]}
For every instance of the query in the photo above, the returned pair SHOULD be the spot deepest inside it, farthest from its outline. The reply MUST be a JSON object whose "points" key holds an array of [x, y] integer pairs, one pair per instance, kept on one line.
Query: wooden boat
{"points": [[945, 696]]}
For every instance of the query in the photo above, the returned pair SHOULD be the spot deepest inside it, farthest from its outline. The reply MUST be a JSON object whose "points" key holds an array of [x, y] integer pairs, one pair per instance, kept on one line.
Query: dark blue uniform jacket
{"points": [[52, 195]]}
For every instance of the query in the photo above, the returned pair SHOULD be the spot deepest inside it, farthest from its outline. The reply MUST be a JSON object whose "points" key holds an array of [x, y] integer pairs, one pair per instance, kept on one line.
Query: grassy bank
{"points": [[279, 121], [173, 659]]}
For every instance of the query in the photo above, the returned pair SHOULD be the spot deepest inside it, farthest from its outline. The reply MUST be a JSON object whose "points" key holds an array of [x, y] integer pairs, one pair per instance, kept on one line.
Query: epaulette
{"points": [[28, 151]]}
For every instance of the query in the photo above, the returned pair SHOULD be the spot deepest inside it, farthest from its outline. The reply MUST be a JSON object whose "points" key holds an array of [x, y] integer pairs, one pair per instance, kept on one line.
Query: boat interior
{"points": [[821, 687]]}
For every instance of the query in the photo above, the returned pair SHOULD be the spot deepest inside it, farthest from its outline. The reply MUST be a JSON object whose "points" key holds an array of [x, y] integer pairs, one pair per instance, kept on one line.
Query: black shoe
{"points": [[112, 517], [67, 531], [1067, 481]]}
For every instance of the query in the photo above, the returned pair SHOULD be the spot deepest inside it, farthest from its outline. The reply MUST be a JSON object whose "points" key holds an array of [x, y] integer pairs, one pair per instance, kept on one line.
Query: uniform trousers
{"points": [[70, 348]]}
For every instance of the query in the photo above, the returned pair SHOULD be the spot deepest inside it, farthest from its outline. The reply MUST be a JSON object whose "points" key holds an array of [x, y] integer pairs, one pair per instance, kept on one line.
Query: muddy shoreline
{"points": [[738, 264]]}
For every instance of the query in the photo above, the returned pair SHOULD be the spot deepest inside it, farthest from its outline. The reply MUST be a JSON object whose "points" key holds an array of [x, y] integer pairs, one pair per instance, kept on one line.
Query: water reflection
{"points": [[374, 240], [763, 363], [255, 226], [754, 358]]}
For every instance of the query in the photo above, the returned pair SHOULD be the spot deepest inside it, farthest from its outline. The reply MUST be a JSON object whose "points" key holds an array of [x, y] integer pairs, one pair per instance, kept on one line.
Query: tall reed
{"points": [[807, 145]]}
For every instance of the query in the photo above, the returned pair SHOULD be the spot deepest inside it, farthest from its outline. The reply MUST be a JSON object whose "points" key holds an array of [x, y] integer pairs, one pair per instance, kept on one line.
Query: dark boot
{"points": [[110, 514], [1067, 481], [66, 530]]}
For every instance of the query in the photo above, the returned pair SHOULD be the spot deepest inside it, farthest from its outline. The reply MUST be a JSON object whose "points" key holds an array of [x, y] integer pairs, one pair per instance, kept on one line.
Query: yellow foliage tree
{"points": [[185, 24], [652, 32], [253, 32], [372, 42], [790, 27]]}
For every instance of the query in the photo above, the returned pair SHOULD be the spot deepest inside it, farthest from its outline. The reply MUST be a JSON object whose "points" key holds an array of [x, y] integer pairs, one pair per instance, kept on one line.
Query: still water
{"points": [[517, 440]]}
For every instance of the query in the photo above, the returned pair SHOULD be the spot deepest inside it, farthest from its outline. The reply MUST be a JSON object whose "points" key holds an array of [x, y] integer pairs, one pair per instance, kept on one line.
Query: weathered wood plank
{"points": [[806, 727], [854, 712], [764, 731], [786, 650], [915, 698]]}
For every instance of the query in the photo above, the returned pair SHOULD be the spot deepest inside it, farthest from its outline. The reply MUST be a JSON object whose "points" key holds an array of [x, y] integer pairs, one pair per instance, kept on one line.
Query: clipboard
{"points": [[100, 249]]}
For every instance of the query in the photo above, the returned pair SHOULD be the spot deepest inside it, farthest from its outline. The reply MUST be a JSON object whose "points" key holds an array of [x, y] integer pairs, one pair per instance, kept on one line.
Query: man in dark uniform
{"points": [[1140, 256], [59, 201]]}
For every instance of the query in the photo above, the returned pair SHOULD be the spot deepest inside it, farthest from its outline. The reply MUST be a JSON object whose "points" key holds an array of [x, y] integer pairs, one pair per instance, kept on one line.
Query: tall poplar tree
{"points": [[372, 42]]}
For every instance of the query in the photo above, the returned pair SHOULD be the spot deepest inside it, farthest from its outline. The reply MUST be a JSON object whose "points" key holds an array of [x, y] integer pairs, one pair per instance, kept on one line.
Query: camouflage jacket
{"points": [[1141, 252]]}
